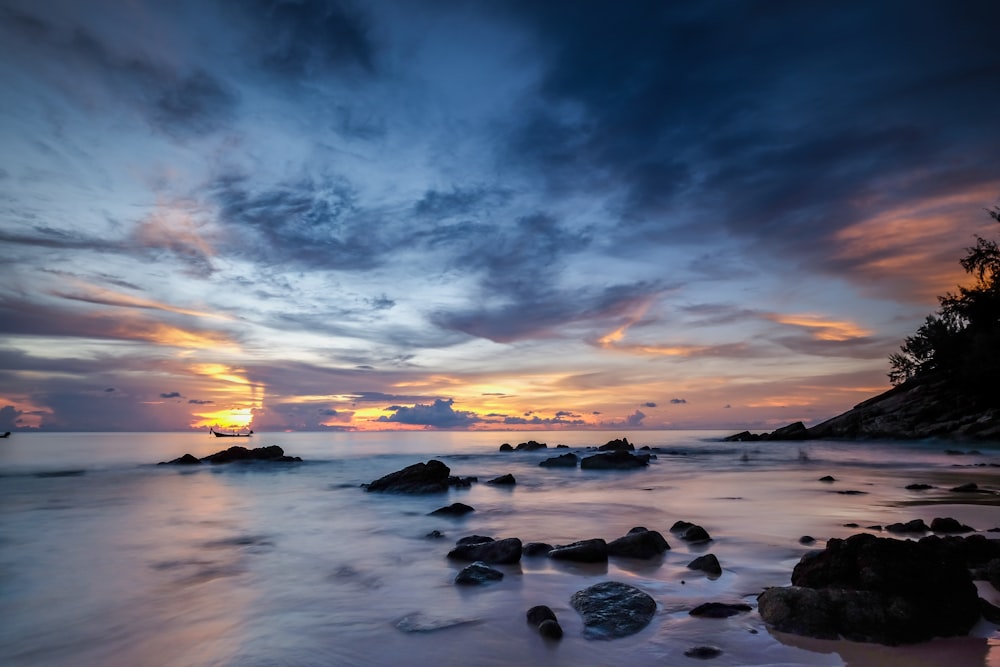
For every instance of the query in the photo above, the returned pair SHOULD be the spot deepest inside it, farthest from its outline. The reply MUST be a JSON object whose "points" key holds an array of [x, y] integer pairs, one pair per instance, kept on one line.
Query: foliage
{"points": [[961, 342]]}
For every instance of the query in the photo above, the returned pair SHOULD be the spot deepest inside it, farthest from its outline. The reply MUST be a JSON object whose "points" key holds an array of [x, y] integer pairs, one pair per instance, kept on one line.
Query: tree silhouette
{"points": [[961, 342]]}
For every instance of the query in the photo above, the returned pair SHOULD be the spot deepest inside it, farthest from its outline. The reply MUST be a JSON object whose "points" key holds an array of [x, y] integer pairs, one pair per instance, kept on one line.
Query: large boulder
{"points": [[867, 588], [612, 609], [618, 460], [530, 446], [430, 477], [505, 551], [639, 543]]}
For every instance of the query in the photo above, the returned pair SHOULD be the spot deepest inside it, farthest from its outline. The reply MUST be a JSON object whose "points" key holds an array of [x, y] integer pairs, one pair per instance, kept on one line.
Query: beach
{"points": [[109, 559]]}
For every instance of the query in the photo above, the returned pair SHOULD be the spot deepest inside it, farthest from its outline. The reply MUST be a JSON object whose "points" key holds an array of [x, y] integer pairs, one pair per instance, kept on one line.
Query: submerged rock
{"points": [[478, 574], [186, 460], [695, 534], [612, 609], [708, 564], [703, 652], [532, 549], [545, 621], [503, 480], [719, 609], [505, 551], [868, 588], [455, 509]]}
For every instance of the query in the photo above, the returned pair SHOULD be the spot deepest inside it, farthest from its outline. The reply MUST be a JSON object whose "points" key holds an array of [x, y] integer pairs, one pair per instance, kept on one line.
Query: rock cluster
{"points": [[235, 454], [431, 477], [867, 588]]}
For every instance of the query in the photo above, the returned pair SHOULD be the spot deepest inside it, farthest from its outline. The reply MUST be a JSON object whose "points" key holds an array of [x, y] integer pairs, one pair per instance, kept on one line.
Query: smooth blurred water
{"points": [[108, 559]]}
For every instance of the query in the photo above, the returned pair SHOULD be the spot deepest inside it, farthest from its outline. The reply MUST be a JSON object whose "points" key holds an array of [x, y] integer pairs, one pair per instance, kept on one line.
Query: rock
{"points": [[850, 525], [550, 629], [568, 460], [619, 460], [708, 564], [237, 453], [545, 621], [473, 539], [949, 525], [743, 436], [928, 407], [186, 460], [622, 445], [505, 551], [828, 478], [461, 482], [680, 526], [868, 588], [430, 477], [971, 487], [612, 609], [695, 534], [719, 610], [455, 509], [874, 527], [584, 551], [914, 526], [562, 446], [990, 612], [477, 574], [852, 492], [918, 487], [639, 543], [530, 446], [993, 573], [807, 539], [532, 549], [505, 447], [434, 535], [703, 652], [796, 431], [503, 480]]}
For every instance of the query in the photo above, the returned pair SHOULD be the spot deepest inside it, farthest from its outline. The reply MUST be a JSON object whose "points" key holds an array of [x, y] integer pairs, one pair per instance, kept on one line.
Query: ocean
{"points": [[107, 559]]}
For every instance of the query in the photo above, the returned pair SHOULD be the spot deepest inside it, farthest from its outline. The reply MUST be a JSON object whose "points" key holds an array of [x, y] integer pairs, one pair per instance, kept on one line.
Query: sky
{"points": [[333, 215]]}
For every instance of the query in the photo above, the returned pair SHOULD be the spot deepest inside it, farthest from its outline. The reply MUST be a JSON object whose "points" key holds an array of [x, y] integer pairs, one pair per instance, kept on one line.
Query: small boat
{"points": [[234, 434], [5, 435]]}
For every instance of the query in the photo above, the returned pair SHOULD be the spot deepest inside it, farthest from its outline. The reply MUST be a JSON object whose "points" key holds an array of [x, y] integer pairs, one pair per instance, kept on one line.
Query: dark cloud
{"points": [[807, 117], [178, 103], [171, 394], [439, 414], [542, 421], [634, 420], [460, 201], [309, 38], [10, 418], [305, 222], [649, 404], [546, 314], [678, 401], [197, 401]]}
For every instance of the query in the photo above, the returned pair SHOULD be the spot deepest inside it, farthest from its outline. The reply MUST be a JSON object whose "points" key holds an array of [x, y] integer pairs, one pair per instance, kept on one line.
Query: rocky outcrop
{"points": [[503, 480], [618, 445], [236, 453], [530, 446], [617, 460], [873, 589], [922, 408], [567, 460], [430, 477], [612, 609]]}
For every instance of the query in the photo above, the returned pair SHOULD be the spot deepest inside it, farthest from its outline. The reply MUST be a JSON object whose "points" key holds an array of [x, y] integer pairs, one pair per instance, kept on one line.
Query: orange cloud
{"points": [[820, 327]]}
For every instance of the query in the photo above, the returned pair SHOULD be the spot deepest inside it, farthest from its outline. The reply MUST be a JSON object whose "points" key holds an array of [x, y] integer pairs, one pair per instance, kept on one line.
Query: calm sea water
{"points": [[108, 559]]}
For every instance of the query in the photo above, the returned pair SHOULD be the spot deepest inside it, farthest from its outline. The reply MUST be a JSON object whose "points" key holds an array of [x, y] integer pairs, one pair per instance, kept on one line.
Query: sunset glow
{"points": [[336, 216]]}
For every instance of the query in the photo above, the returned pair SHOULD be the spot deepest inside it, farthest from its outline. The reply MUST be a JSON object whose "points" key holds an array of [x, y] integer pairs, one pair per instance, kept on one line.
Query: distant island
{"points": [[946, 375]]}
